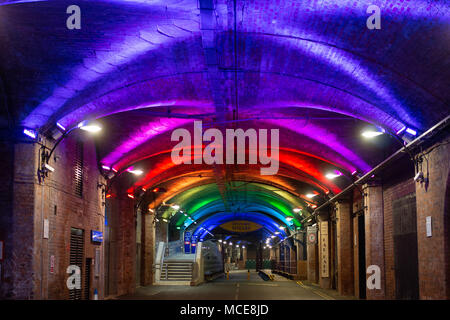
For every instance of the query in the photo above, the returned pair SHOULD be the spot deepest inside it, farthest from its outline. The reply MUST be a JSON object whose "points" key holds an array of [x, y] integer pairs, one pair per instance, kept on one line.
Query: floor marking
{"points": [[323, 295], [302, 285], [237, 292], [262, 284]]}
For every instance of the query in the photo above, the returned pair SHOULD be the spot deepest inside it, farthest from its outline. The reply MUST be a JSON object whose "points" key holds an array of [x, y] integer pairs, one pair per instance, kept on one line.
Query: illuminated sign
{"points": [[241, 226], [96, 236], [187, 242]]}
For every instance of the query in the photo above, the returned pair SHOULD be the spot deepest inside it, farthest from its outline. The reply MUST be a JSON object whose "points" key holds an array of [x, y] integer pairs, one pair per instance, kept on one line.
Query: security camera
{"points": [[419, 177]]}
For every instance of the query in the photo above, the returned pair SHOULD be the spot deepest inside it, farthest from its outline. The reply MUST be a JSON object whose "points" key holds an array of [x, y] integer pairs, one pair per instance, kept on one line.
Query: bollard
{"points": [[248, 274]]}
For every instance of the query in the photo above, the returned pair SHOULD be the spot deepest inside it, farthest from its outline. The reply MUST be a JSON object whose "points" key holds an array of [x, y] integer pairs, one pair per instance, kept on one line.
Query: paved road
{"points": [[236, 288]]}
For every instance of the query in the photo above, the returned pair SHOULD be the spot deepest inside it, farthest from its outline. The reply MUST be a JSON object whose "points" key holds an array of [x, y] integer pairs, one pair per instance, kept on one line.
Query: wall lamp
{"points": [[369, 134], [90, 126]]}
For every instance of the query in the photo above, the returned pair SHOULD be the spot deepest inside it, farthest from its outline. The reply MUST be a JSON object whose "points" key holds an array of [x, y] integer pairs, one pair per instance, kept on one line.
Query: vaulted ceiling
{"points": [[311, 69]]}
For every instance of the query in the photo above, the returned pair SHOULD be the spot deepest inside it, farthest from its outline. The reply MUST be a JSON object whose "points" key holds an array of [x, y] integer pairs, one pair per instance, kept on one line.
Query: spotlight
{"points": [[277, 232], [333, 175], [297, 210], [136, 172], [90, 126], [49, 167], [175, 206], [289, 219], [419, 177], [401, 130], [106, 167], [411, 131], [59, 125], [311, 195], [130, 196], [165, 220], [31, 133], [281, 228], [372, 133]]}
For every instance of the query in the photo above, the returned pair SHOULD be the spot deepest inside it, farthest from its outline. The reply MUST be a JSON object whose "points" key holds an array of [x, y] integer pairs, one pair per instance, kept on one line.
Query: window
{"points": [[79, 168]]}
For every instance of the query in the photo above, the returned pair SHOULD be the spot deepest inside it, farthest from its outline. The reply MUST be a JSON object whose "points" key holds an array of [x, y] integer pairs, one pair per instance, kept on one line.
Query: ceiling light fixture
{"points": [[31, 133], [90, 126], [372, 133], [333, 175], [136, 172]]}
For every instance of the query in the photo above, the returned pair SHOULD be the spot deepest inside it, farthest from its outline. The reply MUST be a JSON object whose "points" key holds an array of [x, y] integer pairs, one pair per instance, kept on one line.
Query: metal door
{"points": [[405, 248]]}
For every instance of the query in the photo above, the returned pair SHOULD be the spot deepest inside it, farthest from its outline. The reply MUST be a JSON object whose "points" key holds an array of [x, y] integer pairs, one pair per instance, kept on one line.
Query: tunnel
{"points": [[224, 149]]}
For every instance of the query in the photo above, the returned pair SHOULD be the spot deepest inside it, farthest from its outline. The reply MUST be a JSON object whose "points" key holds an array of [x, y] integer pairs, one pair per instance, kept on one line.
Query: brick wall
{"points": [[6, 218], [28, 254], [392, 192], [344, 248], [433, 200], [374, 235], [65, 210], [123, 243]]}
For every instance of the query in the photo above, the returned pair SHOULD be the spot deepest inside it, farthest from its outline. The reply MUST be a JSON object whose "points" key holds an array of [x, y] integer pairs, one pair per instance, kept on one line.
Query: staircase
{"points": [[177, 270]]}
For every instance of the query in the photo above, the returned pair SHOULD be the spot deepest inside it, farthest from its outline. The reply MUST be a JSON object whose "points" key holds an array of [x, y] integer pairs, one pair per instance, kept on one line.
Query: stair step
{"points": [[177, 271]]}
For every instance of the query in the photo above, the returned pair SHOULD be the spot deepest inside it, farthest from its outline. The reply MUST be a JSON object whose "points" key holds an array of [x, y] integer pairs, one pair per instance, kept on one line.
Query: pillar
{"points": [[148, 249], [433, 201], [344, 245], [374, 235]]}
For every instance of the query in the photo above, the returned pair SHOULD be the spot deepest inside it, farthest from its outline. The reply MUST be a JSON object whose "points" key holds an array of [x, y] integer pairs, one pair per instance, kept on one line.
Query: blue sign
{"points": [[96, 236], [187, 242], [193, 244]]}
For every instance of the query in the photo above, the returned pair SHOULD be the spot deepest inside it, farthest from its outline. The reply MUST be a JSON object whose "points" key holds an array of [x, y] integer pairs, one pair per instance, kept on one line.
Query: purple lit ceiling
{"points": [[310, 68]]}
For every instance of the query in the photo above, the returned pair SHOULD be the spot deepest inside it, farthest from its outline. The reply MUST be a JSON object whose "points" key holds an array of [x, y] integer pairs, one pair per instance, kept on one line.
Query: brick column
{"points": [[433, 200], [374, 234], [344, 248], [19, 267], [148, 248]]}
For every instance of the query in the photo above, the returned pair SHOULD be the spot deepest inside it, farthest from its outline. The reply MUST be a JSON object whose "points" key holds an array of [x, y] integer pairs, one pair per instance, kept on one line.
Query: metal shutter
{"points": [[76, 257], [78, 168]]}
